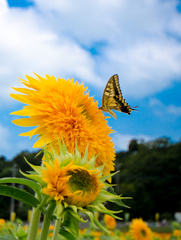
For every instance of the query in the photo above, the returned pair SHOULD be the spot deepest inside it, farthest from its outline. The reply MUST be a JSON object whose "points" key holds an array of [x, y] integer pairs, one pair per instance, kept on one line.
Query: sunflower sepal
{"points": [[77, 153], [106, 196], [101, 167], [73, 207], [65, 155], [47, 155], [91, 163], [77, 216], [48, 200], [54, 154], [118, 201], [101, 208], [37, 169], [34, 177], [94, 221], [71, 225], [74, 211], [106, 177], [85, 157], [59, 210]]}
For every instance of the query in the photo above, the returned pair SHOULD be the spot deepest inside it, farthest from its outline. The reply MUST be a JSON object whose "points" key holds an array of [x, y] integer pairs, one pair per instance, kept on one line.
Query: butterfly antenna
{"points": [[134, 108]]}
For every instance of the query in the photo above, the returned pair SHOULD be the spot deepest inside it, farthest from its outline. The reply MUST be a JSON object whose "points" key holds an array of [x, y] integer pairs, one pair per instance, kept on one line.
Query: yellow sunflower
{"points": [[2, 221], [74, 184], [56, 180], [110, 222], [63, 109], [51, 228], [177, 233], [139, 230]]}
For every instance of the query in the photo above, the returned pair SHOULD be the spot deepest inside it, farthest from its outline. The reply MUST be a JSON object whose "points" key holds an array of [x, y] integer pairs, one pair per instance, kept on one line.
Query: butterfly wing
{"points": [[113, 99]]}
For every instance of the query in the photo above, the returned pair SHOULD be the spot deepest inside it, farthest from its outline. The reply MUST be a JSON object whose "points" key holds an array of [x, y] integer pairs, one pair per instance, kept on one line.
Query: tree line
{"points": [[149, 173]]}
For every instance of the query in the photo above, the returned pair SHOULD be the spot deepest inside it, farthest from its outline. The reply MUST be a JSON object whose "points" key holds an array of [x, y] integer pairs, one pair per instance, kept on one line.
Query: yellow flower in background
{"points": [[83, 231], [25, 227], [2, 221], [177, 233], [95, 233], [156, 236], [51, 228], [161, 236], [165, 236], [63, 109], [110, 222], [139, 230]]}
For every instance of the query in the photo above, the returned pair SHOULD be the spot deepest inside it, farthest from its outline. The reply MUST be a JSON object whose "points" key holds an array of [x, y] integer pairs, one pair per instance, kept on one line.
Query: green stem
{"points": [[34, 223], [56, 229], [35, 219], [46, 221]]}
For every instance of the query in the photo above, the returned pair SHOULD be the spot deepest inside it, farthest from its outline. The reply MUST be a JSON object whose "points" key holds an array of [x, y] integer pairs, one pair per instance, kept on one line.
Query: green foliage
{"points": [[150, 173], [20, 195], [6, 167]]}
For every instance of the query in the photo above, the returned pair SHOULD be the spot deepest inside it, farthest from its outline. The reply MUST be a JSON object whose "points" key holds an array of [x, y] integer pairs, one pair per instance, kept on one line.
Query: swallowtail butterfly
{"points": [[112, 98]]}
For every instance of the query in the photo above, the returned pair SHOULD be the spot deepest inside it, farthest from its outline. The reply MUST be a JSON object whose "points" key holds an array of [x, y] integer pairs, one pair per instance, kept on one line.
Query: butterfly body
{"points": [[112, 98]]}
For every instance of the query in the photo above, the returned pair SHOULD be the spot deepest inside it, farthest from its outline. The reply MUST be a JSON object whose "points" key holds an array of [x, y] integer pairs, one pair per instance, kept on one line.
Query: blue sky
{"points": [[90, 41]]}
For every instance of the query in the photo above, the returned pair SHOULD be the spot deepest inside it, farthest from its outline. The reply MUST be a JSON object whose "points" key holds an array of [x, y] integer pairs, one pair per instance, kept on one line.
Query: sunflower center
{"points": [[72, 123], [82, 180], [143, 233]]}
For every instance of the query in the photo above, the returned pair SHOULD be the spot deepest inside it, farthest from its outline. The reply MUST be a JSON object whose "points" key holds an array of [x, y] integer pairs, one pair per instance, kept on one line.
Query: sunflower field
{"points": [[137, 230]]}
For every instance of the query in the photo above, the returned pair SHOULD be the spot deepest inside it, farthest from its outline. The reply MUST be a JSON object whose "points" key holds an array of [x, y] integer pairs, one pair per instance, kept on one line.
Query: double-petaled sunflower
{"points": [[63, 109]]}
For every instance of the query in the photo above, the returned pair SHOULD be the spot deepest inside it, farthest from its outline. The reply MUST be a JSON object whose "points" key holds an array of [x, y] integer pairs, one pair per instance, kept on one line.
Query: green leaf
{"points": [[71, 224], [66, 234], [33, 185], [20, 195], [22, 235], [7, 237], [21, 232]]}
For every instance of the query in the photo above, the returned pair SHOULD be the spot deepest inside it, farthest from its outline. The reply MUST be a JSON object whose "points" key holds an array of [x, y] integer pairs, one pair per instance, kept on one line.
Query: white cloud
{"points": [[27, 45], [148, 67], [122, 141], [160, 109], [175, 110], [139, 42]]}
